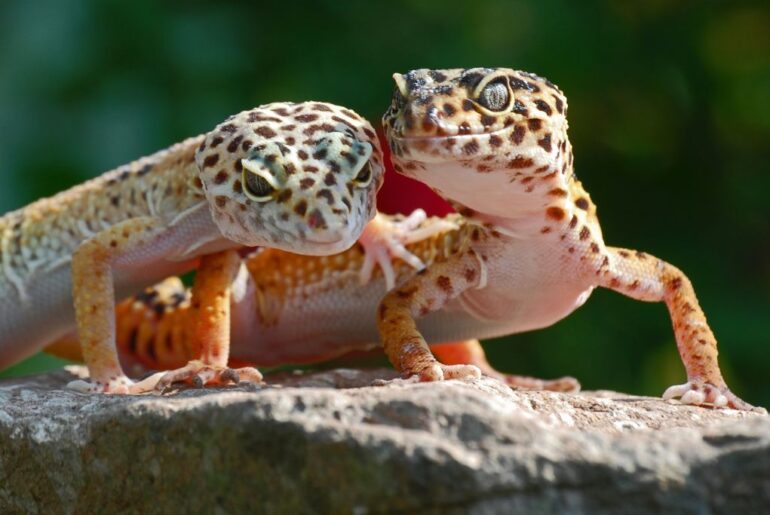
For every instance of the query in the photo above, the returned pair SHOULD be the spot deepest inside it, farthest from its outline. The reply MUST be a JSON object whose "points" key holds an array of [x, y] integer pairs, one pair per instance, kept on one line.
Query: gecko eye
{"points": [[364, 176], [256, 187], [495, 95]]}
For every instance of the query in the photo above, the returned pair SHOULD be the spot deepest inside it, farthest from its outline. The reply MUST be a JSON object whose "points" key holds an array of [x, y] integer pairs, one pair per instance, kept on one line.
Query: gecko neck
{"points": [[513, 201]]}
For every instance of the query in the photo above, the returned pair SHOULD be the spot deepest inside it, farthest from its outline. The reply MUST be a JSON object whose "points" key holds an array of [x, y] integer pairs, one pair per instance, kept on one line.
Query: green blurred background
{"points": [[669, 116]]}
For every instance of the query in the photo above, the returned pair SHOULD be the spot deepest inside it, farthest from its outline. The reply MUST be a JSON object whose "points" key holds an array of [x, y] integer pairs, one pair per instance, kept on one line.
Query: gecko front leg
{"points": [[427, 291], [93, 291], [644, 277], [211, 296], [386, 237]]}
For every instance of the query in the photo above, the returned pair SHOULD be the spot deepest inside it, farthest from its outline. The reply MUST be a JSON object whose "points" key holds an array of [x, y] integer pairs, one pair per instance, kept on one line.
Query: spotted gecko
{"points": [[542, 253], [300, 177]]}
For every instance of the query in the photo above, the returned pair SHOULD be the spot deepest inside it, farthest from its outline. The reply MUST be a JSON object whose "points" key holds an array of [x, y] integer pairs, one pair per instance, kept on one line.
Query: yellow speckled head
{"points": [[299, 177], [478, 132]]}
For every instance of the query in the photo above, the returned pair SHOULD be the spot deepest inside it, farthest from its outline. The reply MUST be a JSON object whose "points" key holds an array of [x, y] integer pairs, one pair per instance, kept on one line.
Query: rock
{"points": [[329, 443]]}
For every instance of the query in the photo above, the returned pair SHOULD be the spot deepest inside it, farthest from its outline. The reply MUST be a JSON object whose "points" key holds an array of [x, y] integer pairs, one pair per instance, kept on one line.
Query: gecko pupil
{"points": [[257, 185], [495, 96]]}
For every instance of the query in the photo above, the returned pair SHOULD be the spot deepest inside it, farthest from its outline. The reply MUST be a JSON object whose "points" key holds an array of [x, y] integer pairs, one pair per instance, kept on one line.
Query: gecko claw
{"points": [[231, 375]]}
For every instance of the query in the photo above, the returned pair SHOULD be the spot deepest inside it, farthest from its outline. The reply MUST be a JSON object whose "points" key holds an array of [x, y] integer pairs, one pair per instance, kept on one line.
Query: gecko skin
{"points": [[301, 177], [493, 141], [293, 309]]}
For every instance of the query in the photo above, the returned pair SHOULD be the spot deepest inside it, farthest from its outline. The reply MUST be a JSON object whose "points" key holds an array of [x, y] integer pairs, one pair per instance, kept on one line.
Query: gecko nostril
{"points": [[315, 220]]}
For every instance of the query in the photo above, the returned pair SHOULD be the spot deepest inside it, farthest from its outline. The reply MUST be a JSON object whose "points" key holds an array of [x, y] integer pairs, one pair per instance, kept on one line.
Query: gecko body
{"points": [[493, 141]]}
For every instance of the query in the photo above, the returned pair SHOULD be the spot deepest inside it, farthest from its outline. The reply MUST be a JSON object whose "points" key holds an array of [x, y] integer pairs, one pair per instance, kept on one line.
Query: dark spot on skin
{"points": [[220, 177], [558, 192], [347, 204], [228, 128], [521, 162], [675, 283], [306, 118], [238, 166], [237, 186], [144, 170], [467, 105], [321, 107], [534, 124], [545, 142], [559, 104], [641, 255], [519, 108], [115, 201], [487, 120], [326, 194], [300, 208], [584, 233], [517, 83], [220, 201], [471, 148], [233, 146], [246, 144], [265, 131], [306, 183], [495, 141], [582, 203], [445, 284], [449, 109], [517, 135], [437, 76], [330, 179], [464, 128], [210, 160], [634, 285], [594, 248], [573, 222], [555, 213], [624, 253], [320, 153], [545, 230], [283, 196], [302, 154], [543, 106], [470, 274], [471, 80]]}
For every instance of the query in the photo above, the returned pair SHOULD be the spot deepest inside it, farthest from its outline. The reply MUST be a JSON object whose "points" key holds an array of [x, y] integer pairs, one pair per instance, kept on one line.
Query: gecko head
{"points": [[298, 177], [494, 122]]}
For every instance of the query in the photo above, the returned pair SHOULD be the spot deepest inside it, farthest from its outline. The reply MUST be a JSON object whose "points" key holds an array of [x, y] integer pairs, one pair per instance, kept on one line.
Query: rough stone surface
{"points": [[330, 443]]}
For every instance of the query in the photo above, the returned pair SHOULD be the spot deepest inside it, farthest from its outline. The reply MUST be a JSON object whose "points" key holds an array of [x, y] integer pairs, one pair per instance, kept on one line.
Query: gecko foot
{"points": [[700, 393], [384, 239], [120, 385], [200, 374], [562, 384], [440, 372]]}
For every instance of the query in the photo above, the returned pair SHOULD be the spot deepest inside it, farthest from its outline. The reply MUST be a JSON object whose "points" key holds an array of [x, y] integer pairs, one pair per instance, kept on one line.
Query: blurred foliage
{"points": [[669, 114]]}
